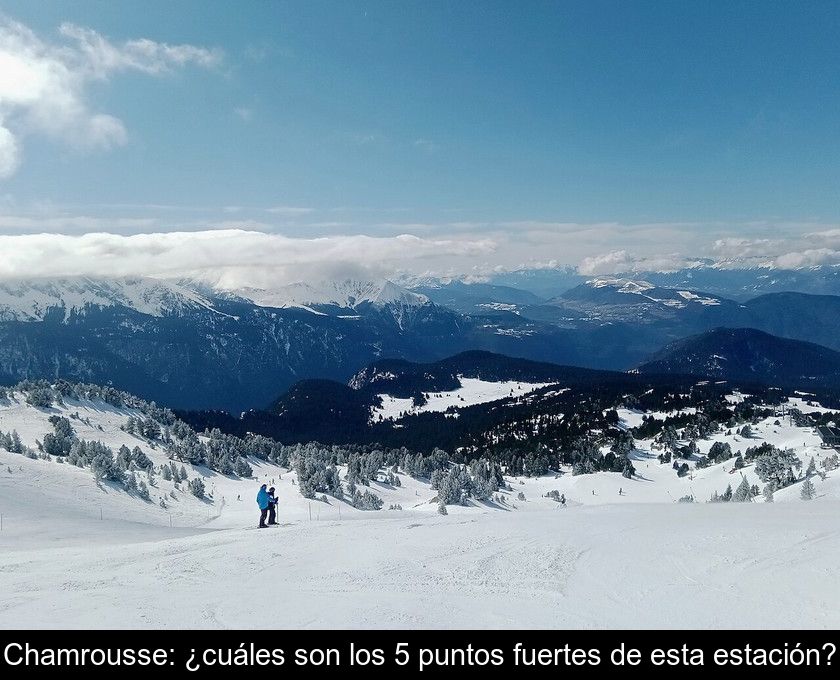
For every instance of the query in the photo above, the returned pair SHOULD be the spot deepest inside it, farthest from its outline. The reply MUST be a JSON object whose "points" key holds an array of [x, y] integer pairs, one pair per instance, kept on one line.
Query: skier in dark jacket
{"points": [[272, 506], [263, 503]]}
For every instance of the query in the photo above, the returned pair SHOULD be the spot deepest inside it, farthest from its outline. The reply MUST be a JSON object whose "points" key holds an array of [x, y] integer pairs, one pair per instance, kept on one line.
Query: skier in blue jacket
{"points": [[263, 501]]}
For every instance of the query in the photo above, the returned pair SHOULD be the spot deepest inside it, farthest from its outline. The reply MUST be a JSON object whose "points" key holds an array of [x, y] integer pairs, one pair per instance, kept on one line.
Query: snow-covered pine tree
{"points": [[776, 467], [131, 483], [140, 459], [196, 487], [743, 494], [143, 491], [242, 469], [16, 445], [124, 457]]}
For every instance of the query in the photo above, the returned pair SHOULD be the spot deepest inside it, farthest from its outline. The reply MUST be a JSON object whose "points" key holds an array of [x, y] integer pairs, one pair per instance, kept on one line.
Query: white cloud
{"points": [[43, 85], [100, 57], [622, 262], [608, 263], [808, 249], [9, 153], [232, 258], [807, 258], [450, 248]]}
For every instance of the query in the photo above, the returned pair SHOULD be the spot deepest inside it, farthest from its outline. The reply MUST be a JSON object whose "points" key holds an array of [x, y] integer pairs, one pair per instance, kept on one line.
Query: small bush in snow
{"points": [[196, 487], [143, 491], [40, 397]]}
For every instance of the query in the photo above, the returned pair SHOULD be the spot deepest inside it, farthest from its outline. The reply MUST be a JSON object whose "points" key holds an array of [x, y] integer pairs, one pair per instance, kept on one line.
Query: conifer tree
{"points": [[743, 494]]}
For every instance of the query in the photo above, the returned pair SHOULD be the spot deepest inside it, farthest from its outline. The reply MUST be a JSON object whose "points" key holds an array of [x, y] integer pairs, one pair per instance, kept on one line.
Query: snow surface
{"points": [[623, 285], [472, 391], [346, 294], [31, 300], [642, 288], [74, 554]]}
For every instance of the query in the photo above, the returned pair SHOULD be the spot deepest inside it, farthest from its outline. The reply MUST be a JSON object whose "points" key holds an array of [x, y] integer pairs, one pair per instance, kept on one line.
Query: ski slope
{"points": [[713, 566], [77, 554]]}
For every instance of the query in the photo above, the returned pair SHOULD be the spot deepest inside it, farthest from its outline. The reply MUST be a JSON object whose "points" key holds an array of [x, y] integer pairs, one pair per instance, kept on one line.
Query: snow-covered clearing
{"points": [[472, 391], [633, 417]]}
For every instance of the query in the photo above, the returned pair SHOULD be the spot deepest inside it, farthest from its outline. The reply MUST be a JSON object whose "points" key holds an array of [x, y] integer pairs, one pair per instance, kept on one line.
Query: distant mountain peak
{"points": [[348, 294], [622, 285]]}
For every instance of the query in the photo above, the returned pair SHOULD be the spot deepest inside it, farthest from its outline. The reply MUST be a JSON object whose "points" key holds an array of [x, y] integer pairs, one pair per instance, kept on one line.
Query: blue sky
{"points": [[677, 125]]}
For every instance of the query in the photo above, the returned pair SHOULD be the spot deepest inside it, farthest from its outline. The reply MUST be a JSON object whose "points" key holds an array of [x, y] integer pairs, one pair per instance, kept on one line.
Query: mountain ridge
{"points": [[749, 354]]}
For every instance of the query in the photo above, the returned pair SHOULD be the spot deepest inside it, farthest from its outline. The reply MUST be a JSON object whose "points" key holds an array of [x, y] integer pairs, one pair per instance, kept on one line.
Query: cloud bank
{"points": [[228, 258], [44, 85]]}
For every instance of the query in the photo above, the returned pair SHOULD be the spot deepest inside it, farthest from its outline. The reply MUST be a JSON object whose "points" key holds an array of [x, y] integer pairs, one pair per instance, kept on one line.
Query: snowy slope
{"points": [[76, 554], [715, 566], [644, 289], [344, 294], [31, 300]]}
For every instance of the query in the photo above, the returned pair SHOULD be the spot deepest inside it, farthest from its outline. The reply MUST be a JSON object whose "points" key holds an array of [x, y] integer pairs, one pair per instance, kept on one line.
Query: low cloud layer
{"points": [[235, 246], [815, 248], [44, 84], [229, 258]]}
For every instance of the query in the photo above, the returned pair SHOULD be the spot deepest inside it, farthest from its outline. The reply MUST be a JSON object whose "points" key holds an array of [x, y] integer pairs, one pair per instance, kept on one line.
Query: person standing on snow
{"points": [[272, 506], [263, 502]]}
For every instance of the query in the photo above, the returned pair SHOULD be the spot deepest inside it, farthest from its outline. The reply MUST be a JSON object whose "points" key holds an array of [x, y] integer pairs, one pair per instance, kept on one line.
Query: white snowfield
{"points": [[73, 554], [471, 392]]}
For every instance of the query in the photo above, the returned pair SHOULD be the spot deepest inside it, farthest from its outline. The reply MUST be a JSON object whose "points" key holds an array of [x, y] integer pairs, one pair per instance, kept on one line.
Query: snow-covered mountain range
{"points": [[341, 295], [188, 344], [34, 299]]}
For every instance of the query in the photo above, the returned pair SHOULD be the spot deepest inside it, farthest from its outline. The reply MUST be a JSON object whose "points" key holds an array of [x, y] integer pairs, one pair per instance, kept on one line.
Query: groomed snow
{"points": [[709, 566]]}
